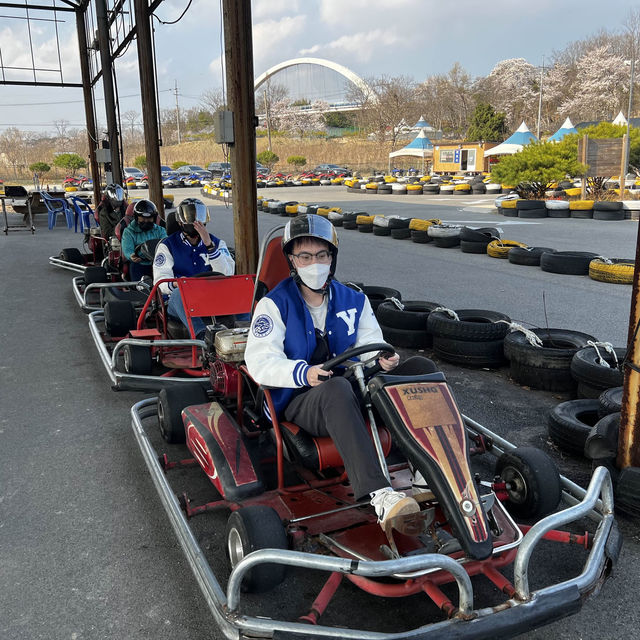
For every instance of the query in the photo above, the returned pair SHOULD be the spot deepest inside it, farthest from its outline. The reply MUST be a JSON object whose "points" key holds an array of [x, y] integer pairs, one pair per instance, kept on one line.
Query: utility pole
{"points": [[540, 99], [238, 50], [266, 109], [177, 112], [149, 108], [109, 93]]}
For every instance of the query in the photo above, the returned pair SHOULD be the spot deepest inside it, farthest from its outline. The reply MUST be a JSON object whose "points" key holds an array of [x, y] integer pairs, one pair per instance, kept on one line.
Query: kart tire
{"points": [[535, 482], [401, 234], [413, 316], [381, 231], [627, 491], [585, 368], [250, 529], [610, 401], [377, 295], [137, 360], [598, 214], [407, 338], [72, 255], [171, 401], [446, 242], [119, 317], [483, 234], [574, 263], [602, 440], [528, 256], [474, 325], [469, 246], [541, 377], [419, 237], [486, 354], [570, 423], [94, 275]]}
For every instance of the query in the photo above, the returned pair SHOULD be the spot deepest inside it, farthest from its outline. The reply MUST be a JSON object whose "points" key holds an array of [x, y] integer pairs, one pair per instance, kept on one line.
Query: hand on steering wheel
{"points": [[385, 353]]}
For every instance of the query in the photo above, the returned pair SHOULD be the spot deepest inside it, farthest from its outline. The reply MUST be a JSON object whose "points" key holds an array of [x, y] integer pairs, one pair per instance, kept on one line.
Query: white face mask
{"points": [[314, 275]]}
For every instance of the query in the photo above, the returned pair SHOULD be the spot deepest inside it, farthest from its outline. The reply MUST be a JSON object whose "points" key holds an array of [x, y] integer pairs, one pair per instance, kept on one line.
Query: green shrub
{"points": [[297, 161], [69, 161], [267, 158], [140, 161], [178, 164]]}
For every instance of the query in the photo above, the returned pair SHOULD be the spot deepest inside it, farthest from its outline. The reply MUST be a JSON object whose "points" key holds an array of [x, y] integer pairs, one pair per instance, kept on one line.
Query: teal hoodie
{"points": [[132, 236]]}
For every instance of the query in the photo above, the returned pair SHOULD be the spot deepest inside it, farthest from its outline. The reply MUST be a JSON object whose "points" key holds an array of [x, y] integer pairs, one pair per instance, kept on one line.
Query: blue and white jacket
{"points": [[176, 257], [282, 336]]}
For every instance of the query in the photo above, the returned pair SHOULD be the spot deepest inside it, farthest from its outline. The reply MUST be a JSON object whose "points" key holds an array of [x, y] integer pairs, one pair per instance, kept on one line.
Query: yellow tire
{"points": [[291, 209], [501, 248], [508, 204], [336, 209], [414, 187], [620, 272], [573, 191], [71, 188], [171, 197], [371, 185], [390, 179], [364, 219], [581, 205], [323, 211], [462, 187], [425, 179], [419, 225]]}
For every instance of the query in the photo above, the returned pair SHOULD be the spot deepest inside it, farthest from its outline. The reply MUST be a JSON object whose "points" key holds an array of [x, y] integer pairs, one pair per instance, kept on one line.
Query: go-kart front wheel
{"points": [[137, 360], [95, 274], [533, 482], [171, 401], [119, 317], [250, 529], [72, 255]]}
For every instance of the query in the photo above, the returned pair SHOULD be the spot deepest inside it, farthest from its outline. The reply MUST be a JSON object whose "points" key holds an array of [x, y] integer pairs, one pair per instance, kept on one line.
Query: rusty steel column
{"points": [[148, 94], [629, 438], [238, 49], [81, 29]]}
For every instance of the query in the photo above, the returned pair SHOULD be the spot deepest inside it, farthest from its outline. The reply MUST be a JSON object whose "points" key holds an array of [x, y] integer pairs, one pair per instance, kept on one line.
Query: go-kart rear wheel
{"points": [[171, 401], [72, 255], [95, 274], [137, 360], [250, 529], [119, 317], [533, 482]]}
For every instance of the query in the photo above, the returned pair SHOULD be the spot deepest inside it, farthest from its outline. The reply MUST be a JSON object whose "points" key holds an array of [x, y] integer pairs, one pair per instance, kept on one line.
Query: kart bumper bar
{"points": [[514, 616], [71, 266], [82, 292]]}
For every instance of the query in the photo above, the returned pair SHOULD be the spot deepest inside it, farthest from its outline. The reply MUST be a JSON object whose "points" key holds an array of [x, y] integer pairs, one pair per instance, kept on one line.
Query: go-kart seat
{"points": [[272, 267], [316, 452]]}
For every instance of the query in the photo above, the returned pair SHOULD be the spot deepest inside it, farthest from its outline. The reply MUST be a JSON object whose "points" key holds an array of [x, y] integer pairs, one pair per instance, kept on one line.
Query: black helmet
{"points": [[310, 225], [145, 209], [190, 210], [114, 193]]}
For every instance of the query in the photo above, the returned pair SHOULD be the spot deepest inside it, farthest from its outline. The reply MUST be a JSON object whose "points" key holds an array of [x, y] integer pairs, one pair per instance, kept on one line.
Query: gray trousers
{"points": [[333, 409]]}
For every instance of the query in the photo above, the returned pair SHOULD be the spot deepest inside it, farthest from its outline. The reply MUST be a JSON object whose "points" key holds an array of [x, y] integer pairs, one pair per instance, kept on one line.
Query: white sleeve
{"points": [[264, 355], [163, 267], [221, 260], [369, 330]]}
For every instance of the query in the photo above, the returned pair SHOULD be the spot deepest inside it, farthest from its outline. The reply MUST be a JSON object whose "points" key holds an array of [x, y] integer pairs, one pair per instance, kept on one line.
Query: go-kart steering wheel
{"points": [[204, 274], [353, 352]]}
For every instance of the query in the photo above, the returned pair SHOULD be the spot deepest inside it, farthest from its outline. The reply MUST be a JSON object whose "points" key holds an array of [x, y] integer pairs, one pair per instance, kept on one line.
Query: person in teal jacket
{"points": [[141, 229]]}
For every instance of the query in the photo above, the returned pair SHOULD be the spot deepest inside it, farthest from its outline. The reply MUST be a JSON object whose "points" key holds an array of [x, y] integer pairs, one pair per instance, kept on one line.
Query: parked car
{"points": [[218, 169], [333, 169], [193, 169]]}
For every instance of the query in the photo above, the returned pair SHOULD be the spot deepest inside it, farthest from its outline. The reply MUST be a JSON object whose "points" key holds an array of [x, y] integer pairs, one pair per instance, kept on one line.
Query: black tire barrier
{"points": [[447, 242], [596, 378], [605, 205], [381, 231], [529, 256], [483, 234], [377, 295], [348, 224], [627, 492], [487, 354], [558, 213], [581, 214], [407, 338], [602, 442], [567, 262], [547, 367], [523, 205], [509, 213], [478, 189], [413, 317], [420, 237], [570, 423], [399, 223], [599, 214], [533, 213], [365, 228], [401, 234], [467, 246], [474, 325], [610, 401], [431, 189]]}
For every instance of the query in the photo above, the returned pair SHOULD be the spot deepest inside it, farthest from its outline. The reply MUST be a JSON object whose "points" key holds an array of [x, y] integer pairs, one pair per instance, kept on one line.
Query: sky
{"points": [[414, 38]]}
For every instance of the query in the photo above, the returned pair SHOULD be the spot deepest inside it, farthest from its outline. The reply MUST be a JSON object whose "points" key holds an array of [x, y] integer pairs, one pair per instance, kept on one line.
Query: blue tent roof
{"points": [[420, 142], [521, 136], [566, 128], [421, 124]]}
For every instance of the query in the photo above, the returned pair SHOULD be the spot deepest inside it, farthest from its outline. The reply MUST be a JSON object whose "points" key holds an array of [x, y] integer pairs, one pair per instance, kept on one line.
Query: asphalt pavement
{"points": [[86, 550]]}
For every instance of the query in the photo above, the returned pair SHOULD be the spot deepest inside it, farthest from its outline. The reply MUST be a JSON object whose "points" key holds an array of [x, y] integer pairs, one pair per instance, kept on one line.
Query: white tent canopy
{"points": [[419, 147], [513, 143], [620, 120]]}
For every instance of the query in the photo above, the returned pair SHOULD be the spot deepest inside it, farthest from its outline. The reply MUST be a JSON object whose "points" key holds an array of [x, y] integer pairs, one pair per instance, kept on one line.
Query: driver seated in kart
{"points": [[189, 252], [304, 321], [111, 209], [141, 229]]}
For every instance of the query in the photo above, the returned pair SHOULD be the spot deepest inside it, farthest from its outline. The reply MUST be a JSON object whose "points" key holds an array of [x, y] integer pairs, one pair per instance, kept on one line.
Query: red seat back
{"points": [[272, 267]]}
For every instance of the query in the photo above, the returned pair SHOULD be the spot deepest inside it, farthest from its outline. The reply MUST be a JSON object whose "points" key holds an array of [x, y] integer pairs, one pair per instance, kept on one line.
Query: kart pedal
{"points": [[411, 524]]}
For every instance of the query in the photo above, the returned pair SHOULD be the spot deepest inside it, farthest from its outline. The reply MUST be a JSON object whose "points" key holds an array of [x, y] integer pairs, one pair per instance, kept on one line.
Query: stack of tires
{"points": [[476, 240], [381, 226], [531, 208], [475, 339], [557, 208], [445, 235], [582, 209], [608, 210], [364, 223], [508, 208], [399, 227], [591, 375], [547, 367], [404, 324]]}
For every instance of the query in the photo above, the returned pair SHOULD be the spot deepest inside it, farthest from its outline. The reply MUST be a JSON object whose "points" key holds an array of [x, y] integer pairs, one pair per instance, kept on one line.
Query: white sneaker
{"points": [[390, 504]]}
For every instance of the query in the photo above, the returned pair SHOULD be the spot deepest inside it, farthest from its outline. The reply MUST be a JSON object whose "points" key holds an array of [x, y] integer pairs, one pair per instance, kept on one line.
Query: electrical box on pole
{"points": [[223, 127]]}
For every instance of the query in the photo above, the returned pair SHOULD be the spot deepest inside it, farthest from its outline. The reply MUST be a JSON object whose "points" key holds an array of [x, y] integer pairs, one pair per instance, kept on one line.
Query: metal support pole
{"points": [[238, 47], [540, 99], [148, 95], [87, 93], [177, 113], [623, 177], [107, 84]]}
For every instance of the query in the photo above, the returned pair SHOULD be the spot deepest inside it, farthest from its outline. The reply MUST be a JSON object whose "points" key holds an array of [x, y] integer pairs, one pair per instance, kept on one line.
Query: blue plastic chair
{"points": [[83, 213], [56, 206]]}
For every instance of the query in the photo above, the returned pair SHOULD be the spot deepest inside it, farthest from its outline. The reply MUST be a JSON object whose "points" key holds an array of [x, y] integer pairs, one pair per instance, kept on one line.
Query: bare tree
{"points": [[61, 129], [213, 100], [267, 99], [12, 147], [131, 117]]}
